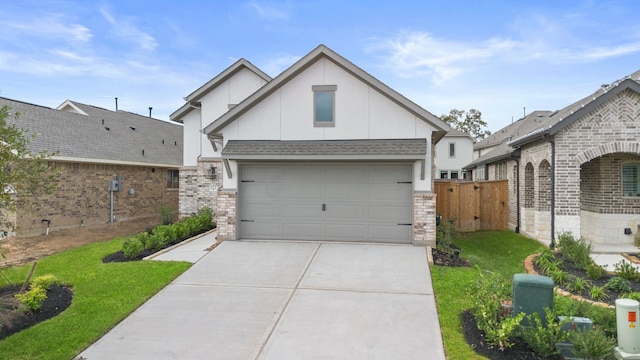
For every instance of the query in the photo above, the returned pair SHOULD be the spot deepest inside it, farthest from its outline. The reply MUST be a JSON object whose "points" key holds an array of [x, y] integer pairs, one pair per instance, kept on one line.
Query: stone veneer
{"points": [[424, 219], [82, 197]]}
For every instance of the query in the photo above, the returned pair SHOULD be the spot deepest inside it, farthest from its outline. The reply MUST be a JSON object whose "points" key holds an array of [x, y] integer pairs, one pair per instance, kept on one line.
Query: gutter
{"points": [[517, 195]]}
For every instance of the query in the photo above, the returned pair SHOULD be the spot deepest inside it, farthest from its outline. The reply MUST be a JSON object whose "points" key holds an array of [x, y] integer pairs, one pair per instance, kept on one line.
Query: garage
{"points": [[369, 202]]}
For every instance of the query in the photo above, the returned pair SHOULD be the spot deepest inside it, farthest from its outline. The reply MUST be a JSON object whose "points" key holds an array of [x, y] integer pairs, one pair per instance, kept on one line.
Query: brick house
{"points": [[94, 146], [575, 169], [324, 151]]}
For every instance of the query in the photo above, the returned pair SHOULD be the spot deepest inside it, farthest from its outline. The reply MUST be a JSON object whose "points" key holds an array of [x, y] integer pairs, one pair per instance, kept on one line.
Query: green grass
{"points": [[104, 294], [499, 251]]}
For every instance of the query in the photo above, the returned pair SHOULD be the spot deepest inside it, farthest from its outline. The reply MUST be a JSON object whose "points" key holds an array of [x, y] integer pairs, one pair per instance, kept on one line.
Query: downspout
{"points": [[553, 190], [517, 196]]}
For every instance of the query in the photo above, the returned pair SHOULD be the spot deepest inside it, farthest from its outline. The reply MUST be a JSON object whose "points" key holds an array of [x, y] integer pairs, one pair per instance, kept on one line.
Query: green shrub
{"points": [[632, 295], [154, 243], [181, 230], [598, 293], [547, 263], [577, 284], [132, 247], [44, 281], [488, 292], [167, 214], [618, 285], [445, 233], [166, 234], [592, 345], [560, 277], [33, 298], [577, 251], [542, 336], [595, 272], [626, 270]]}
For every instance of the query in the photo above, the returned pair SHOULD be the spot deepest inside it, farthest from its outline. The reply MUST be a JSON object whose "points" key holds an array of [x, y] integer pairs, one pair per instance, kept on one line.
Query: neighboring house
{"points": [[576, 169], [324, 151], [95, 146], [453, 152]]}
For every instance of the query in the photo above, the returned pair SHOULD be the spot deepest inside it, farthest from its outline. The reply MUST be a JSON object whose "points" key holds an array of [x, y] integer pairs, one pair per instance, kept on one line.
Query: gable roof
{"points": [[560, 119], [92, 134], [193, 99], [324, 52], [457, 133], [539, 124]]}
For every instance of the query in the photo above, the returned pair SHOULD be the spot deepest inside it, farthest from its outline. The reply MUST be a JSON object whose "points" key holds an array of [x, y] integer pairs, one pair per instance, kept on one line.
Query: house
{"points": [[324, 151], [96, 148], [453, 152], [575, 169]]}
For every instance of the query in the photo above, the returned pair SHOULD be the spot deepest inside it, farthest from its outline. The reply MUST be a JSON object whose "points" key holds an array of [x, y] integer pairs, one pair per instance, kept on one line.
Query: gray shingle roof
{"points": [[325, 149], [120, 139]]}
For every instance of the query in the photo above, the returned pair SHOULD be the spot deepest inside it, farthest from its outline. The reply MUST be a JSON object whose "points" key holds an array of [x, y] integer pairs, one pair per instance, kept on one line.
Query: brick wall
{"points": [[226, 214], [197, 189], [589, 156], [424, 219], [83, 198]]}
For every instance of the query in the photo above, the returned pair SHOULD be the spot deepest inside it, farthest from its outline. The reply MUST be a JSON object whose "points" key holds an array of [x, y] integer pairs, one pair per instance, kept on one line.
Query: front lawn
{"points": [[502, 252], [104, 294]]}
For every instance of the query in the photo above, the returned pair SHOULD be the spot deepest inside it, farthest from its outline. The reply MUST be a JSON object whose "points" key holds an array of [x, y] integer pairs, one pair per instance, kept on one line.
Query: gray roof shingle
{"points": [[101, 135], [357, 149]]}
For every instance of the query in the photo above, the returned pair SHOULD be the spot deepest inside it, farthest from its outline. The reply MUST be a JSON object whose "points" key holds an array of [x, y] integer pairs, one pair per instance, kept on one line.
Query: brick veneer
{"points": [[226, 214], [197, 189], [424, 219], [589, 156], [83, 198]]}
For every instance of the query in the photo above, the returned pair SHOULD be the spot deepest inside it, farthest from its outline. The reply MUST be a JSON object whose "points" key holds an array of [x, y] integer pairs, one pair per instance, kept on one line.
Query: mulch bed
{"points": [[568, 267], [58, 300], [447, 258], [475, 338]]}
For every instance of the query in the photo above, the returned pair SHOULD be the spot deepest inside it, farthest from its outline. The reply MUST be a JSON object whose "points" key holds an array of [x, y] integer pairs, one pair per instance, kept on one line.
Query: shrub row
{"points": [[163, 236]]}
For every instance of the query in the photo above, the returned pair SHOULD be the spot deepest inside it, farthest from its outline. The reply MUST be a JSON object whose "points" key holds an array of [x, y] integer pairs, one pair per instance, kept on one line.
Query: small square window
{"points": [[324, 105], [444, 174], [454, 174]]}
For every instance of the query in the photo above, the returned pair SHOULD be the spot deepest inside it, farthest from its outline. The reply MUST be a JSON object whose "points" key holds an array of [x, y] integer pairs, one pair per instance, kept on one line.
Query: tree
{"points": [[23, 174], [469, 122]]}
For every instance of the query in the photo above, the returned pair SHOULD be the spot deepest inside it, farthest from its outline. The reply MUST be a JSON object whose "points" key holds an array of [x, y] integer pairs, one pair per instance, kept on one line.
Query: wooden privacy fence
{"points": [[477, 205]]}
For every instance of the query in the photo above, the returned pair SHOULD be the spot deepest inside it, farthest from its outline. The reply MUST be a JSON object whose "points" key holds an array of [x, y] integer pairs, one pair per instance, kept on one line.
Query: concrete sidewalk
{"points": [[607, 255], [287, 300]]}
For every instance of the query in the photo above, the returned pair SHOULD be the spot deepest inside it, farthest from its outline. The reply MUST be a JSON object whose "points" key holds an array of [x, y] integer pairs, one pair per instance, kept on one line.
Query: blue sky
{"points": [[500, 57]]}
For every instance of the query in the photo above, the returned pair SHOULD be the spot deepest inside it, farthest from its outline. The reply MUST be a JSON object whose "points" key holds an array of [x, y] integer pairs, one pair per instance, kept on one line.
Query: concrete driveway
{"points": [[287, 300]]}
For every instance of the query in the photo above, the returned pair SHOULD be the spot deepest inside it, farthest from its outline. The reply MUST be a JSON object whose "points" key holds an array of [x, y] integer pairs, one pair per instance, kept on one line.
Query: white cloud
{"points": [[419, 54], [125, 29], [47, 26], [278, 64], [268, 12]]}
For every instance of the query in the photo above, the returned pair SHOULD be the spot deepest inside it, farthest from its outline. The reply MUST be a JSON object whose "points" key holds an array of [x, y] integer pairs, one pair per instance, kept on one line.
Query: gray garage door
{"points": [[353, 202]]}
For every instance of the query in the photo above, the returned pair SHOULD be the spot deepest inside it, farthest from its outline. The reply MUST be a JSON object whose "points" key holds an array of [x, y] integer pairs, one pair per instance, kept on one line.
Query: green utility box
{"points": [[531, 294]]}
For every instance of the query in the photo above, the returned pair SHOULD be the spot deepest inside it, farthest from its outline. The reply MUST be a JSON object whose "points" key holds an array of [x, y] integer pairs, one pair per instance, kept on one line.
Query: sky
{"points": [[504, 58]]}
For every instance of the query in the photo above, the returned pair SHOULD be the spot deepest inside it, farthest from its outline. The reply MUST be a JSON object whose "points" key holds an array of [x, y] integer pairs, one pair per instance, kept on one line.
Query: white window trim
{"points": [[324, 88], [454, 150]]}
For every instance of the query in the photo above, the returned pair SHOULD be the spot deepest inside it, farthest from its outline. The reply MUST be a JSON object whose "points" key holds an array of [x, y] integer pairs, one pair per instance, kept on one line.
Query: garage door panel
{"points": [[344, 213], [390, 233], [346, 175], [306, 211], [346, 192], [390, 213], [390, 193], [346, 232], [262, 211], [261, 230], [303, 231], [363, 202]]}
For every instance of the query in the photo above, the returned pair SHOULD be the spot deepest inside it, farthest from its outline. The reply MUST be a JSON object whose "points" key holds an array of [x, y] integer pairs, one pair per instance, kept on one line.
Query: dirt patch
{"points": [[24, 250], [444, 258]]}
